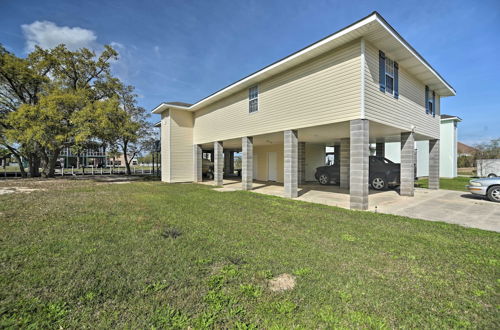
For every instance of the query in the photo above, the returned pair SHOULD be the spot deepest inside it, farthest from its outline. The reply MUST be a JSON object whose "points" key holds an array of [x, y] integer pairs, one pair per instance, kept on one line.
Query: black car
{"points": [[382, 173]]}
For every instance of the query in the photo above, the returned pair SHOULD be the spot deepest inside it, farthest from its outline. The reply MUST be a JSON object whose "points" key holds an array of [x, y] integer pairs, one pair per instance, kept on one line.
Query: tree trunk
{"points": [[125, 157], [50, 167], [19, 161], [34, 165]]}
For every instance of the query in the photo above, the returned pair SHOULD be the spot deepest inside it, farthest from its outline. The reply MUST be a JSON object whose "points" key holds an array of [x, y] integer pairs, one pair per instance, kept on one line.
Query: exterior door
{"points": [[272, 166]]}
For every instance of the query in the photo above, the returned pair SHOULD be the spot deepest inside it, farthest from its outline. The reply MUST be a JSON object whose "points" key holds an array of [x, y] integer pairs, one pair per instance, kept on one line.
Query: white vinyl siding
{"points": [[407, 110], [321, 91]]}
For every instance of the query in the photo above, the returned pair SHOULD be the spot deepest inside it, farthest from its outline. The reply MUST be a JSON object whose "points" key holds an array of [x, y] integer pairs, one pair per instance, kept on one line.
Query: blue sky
{"points": [[185, 50]]}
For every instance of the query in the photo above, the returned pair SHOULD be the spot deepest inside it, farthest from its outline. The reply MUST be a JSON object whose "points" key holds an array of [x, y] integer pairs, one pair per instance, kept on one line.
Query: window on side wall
{"points": [[432, 110], [253, 99], [389, 76]]}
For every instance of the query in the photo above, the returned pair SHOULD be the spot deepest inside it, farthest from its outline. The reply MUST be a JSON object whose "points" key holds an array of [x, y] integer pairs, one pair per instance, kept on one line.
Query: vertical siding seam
{"points": [[362, 72], [170, 146]]}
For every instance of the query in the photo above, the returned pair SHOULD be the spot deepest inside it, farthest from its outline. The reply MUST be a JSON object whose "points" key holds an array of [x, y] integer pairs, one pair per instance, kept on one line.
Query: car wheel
{"points": [[492, 175], [324, 179], [494, 194], [379, 183], [210, 176]]}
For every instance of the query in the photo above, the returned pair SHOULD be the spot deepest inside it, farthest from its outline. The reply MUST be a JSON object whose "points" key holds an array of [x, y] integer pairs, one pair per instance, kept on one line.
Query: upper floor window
{"points": [[430, 101], [253, 99], [388, 75]]}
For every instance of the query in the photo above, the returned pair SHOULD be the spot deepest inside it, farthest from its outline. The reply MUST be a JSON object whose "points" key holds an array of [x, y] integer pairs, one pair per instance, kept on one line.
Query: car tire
{"points": [[323, 179], [494, 194], [378, 183], [210, 176], [492, 175]]}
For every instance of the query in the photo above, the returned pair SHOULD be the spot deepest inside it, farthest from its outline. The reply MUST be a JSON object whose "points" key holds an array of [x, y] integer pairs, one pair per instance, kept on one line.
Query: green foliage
{"points": [[60, 98], [488, 150]]}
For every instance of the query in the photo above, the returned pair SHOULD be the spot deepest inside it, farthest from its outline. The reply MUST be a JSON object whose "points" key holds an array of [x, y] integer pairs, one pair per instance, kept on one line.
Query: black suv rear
{"points": [[382, 173]]}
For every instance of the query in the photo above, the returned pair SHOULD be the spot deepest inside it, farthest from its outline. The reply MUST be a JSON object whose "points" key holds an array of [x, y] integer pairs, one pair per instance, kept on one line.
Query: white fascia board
{"points": [[289, 58], [303, 53], [164, 106], [417, 56]]}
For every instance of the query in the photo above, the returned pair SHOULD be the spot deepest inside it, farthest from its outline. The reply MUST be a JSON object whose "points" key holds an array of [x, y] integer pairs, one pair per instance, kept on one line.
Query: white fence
{"points": [[90, 170]]}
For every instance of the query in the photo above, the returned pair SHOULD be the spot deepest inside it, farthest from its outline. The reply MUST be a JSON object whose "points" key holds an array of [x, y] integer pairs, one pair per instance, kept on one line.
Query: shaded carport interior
{"points": [[330, 135]]}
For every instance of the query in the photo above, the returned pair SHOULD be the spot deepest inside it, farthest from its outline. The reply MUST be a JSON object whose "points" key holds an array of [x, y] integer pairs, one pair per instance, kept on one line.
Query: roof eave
{"points": [[165, 106], [446, 88]]}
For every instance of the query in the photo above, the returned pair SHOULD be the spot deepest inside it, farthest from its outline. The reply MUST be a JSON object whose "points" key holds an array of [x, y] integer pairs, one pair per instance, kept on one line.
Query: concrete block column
{"points": [[433, 164], [247, 163], [197, 163], [301, 162], [218, 163], [407, 187], [345, 155], [291, 163], [380, 149], [359, 158]]}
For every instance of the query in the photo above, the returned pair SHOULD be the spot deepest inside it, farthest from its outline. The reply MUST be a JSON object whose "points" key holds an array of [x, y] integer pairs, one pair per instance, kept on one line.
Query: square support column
{"points": [[407, 187], [218, 163], [344, 155], [433, 164], [247, 163], [359, 158], [291, 163], [301, 162], [380, 149], [197, 163]]}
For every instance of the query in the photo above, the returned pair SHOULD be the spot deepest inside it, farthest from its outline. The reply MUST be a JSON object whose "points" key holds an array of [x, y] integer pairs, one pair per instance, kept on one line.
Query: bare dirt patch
{"points": [[282, 282], [11, 190]]}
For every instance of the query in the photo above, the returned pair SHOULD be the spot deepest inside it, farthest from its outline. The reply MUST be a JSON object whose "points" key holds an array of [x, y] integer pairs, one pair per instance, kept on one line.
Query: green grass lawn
{"points": [[148, 254], [457, 183]]}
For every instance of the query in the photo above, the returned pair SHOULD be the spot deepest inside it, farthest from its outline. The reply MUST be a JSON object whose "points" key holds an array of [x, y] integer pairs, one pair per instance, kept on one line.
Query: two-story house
{"points": [[363, 84]]}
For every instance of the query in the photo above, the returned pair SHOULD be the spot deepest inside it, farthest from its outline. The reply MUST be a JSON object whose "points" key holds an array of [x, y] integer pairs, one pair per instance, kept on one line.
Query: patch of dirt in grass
{"points": [[11, 190], [282, 282]]}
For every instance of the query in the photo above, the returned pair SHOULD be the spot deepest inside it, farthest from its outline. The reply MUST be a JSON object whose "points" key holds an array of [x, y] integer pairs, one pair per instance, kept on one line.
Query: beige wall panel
{"points": [[320, 91], [262, 161], [315, 157], [181, 125], [403, 112]]}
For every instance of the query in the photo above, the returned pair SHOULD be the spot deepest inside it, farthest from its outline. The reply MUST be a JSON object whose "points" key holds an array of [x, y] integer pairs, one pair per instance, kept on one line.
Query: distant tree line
{"points": [[57, 98], [487, 150]]}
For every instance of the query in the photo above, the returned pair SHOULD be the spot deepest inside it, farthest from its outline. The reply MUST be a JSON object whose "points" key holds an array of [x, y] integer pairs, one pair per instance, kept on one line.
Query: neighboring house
{"points": [[465, 150], [448, 152], [91, 157], [363, 84]]}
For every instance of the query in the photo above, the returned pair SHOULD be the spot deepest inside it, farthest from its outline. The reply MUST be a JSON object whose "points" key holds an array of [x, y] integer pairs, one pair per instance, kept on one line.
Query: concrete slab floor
{"points": [[449, 206]]}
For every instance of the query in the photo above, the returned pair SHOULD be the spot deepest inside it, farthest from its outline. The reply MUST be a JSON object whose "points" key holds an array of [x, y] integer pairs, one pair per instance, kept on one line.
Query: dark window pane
{"points": [[389, 84]]}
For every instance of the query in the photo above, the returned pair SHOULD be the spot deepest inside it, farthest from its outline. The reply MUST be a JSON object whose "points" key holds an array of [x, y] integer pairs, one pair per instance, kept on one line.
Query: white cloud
{"points": [[47, 35]]}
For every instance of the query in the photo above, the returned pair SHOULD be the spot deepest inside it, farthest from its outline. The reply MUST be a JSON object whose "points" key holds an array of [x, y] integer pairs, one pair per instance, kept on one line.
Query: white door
{"points": [[272, 166], [255, 166]]}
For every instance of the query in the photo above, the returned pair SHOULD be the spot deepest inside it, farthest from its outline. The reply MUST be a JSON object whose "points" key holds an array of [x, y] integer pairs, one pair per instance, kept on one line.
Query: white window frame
{"points": [[253, 98], [390, 75], [430, 103]]}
